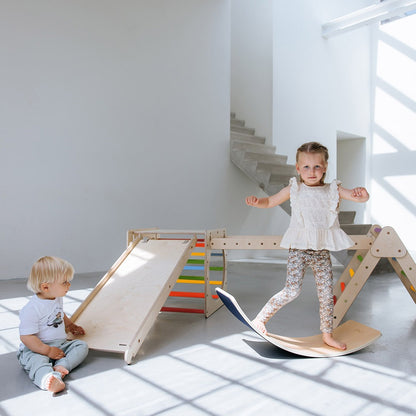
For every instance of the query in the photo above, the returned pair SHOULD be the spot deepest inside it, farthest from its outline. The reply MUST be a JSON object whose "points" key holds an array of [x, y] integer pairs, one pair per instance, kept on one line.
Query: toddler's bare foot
{"points": [[62, 370], [329, 340], [259, 326], [54, 385]]}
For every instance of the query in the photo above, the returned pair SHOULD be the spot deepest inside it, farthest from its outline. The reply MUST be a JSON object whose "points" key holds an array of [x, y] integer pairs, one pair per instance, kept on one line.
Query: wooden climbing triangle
{"points": [[369, 250], [379, 243]]}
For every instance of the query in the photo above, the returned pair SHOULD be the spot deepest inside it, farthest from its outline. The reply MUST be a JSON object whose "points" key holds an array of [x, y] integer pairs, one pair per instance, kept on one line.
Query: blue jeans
{"points": [[39, 367]]}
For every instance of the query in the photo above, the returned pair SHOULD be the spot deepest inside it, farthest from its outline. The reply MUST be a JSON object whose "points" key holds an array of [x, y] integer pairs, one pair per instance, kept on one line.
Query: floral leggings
{"points": [[298, 261]]}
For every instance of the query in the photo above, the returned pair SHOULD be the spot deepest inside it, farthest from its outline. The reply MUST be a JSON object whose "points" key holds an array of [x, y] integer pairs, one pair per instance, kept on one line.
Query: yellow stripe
{"points": [[199, 282], [198, 254]]}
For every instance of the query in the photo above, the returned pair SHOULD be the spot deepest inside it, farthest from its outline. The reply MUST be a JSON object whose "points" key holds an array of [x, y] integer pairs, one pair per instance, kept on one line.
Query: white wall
{"points": [[393, 150], [113, 116], [321, 85], [252, 64], [351, 166]]}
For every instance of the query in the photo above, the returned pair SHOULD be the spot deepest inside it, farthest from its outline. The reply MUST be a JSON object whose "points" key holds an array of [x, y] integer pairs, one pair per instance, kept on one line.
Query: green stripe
{"points": [[192, 277], [190, 261], [214, 268]]}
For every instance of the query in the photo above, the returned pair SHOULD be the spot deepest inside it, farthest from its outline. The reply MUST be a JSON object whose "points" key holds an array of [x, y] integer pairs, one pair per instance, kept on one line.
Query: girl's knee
{"points": [[293, 293]]}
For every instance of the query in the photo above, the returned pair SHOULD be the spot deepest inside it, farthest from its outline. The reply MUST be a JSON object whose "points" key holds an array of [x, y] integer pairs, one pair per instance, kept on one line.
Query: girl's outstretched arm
{"points": [[358, 194], [270, 201]]}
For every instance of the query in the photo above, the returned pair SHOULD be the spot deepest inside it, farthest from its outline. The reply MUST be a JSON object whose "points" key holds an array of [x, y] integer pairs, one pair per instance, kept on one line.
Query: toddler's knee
{"points": [[83, 347]]}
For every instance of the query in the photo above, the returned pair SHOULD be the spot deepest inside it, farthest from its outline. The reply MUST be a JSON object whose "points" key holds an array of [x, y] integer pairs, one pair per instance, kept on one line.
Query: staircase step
{"points": [[240, 129], [250, 138], [237, 123], [274, 187], [284, 170], [272, 159], [356, 229], [261, 178], [346, 217], [243, 145]]}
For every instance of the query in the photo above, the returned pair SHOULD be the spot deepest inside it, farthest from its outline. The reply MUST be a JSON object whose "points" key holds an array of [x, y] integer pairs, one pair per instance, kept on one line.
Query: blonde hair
{"points": [[49, 270], [314, 147]]}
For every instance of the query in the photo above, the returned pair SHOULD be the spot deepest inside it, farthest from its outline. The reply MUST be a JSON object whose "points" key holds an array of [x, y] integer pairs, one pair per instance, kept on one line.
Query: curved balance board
{"points": [[357, 336]]}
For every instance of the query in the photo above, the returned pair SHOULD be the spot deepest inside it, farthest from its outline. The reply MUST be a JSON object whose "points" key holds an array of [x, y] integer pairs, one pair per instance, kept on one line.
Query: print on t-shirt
{"points": [[56, 321]]}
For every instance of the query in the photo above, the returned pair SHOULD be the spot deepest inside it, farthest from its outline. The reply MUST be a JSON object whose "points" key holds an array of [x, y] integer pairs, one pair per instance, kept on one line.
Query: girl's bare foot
{"points": [[329, 340], [259, 326], [62, 370], [54, 384]]}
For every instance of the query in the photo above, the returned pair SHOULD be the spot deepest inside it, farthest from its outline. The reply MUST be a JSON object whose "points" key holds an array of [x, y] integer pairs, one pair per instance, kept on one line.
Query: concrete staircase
{"points": [[258, 161]]}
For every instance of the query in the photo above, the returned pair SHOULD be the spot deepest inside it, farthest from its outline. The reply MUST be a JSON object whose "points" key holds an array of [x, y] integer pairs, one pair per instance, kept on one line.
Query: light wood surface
{"points": [[354, 334], [124, 309]]}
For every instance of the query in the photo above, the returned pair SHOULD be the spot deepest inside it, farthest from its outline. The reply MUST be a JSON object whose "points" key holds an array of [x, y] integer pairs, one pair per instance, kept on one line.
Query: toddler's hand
{"points": [[55, 353], [75, 329], [252, 201]]}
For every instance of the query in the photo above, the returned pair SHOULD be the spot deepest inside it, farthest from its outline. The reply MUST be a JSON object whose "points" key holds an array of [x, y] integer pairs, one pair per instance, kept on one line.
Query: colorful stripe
{"points": [[199, 282], [199, 295], [185, 310]]}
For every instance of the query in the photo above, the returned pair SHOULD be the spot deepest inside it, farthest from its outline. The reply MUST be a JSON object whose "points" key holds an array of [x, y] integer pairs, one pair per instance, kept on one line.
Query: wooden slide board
{"points": [[121, 313], [354, 334]]}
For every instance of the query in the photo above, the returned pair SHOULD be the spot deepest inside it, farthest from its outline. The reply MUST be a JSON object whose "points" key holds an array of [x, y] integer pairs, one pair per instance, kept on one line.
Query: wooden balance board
{"points": [[357, 336]]}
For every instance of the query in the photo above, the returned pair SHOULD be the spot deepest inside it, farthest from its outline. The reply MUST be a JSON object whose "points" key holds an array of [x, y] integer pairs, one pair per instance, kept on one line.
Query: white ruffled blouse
{"points": [[314, 223]]}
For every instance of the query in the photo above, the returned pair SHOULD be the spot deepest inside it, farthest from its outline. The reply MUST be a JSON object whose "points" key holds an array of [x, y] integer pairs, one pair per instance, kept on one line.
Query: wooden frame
{"points": [[114, 315], [386, 244], [211, 301], [369, 249]]}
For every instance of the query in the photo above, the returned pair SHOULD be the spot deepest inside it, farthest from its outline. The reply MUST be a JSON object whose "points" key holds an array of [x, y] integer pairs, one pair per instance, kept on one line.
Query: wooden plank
{"points": [[105, 279], [212, 304], [354, 287], [124, 308], [345, 277], [269, 242], [246, 242], [405, 268], [388, 244]]}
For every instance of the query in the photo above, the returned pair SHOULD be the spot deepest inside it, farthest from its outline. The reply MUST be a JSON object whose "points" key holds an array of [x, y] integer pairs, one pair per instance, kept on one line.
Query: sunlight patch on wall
{"points": [[388, 211], [403, 30], [397, 69], [404, 185], [395, 118], [381, 146]]}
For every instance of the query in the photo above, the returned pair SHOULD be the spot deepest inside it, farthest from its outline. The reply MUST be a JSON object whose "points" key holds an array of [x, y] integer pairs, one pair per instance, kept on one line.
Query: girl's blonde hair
{"points": [[314, 147], [49, 270]]}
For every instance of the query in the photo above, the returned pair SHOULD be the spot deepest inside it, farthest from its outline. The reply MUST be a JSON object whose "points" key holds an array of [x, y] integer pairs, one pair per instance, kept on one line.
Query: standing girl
{"points": [[313, 232]]}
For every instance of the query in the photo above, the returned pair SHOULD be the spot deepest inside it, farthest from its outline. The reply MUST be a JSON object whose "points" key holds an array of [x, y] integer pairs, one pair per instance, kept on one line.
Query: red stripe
{"points": [[185, 310], [190, 295]]}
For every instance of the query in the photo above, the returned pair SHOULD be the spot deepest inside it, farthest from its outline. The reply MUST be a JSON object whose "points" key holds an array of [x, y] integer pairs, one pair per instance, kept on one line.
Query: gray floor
{"points": [[190, 365]]}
